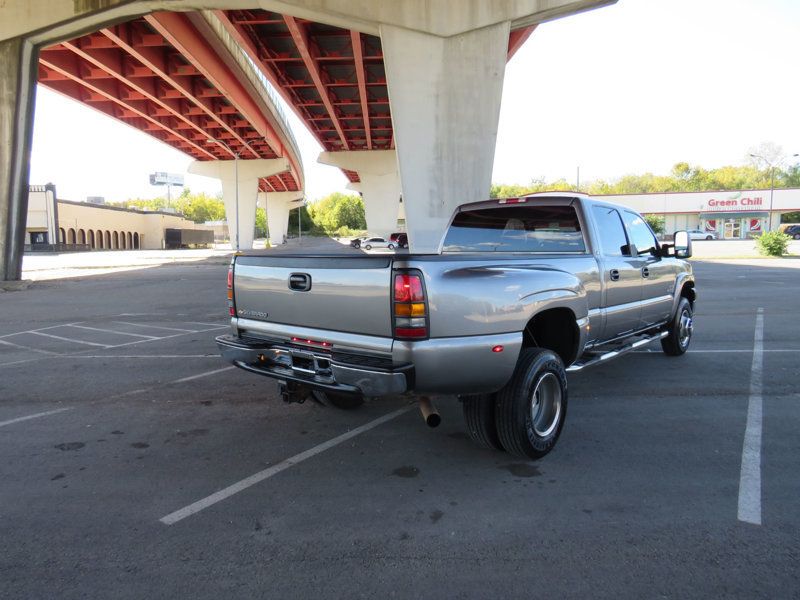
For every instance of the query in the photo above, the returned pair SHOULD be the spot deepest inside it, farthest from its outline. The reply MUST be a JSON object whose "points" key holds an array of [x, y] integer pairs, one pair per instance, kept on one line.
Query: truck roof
{"points": [[554, 195]]}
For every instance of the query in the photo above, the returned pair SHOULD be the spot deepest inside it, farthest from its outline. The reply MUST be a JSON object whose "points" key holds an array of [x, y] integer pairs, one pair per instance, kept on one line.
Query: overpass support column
{"points": [[445, 95], [379, 185], [250, 171], [18, 63], [278, 205]]}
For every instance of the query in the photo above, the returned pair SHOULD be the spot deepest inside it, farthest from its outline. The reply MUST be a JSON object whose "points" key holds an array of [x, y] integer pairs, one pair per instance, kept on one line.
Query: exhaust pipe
{"points": [[429, 412]]}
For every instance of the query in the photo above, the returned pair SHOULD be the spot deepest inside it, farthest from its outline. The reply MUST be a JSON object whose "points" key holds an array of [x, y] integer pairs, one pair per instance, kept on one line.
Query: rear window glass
{"points": [[518, 228]]}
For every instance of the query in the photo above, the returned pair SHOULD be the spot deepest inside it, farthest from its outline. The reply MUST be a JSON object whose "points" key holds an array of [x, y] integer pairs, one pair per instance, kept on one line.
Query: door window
{"points": [[612, 234], [640, 233]]}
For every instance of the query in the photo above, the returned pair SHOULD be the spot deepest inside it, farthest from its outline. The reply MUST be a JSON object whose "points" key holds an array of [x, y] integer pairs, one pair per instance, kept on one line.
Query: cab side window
{"points": [[612, 234], [640, 233]]}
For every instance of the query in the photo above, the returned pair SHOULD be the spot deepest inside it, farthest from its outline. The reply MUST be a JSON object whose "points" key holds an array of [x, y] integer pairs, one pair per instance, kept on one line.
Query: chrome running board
{"points": [[591, 359]]}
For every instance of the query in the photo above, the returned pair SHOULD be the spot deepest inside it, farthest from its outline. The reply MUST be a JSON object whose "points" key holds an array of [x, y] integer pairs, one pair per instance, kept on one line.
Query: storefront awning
{"points": [[734, 215]]}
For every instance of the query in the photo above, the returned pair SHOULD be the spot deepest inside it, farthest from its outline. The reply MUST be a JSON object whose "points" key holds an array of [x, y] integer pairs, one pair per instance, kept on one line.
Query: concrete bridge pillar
{"points": [[18, 62], [379, 185], [249, 172], [445, 95], [278, 205]]}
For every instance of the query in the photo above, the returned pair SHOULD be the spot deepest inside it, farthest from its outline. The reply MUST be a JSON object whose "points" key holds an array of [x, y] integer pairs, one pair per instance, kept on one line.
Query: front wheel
{"points": [[709, 237], [368, 247], [342, 401], [531, 408], [391, 246], [679, 330], [797, 236]]}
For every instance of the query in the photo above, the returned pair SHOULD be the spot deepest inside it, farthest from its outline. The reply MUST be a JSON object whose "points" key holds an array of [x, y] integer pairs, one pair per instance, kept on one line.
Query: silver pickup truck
{"points": [[523, 291]]}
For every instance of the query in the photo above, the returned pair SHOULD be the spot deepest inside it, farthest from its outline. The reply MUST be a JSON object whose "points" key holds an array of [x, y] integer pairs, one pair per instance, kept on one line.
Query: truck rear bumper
{"points": [[316, 369]]}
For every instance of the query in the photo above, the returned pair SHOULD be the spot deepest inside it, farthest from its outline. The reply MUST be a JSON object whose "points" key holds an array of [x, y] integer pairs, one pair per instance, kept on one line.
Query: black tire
{"points": [[391, 246], [797, 236], [479, 418], [680, 330], [524, 430], [709, 237], [367, 247], [341, 401]]}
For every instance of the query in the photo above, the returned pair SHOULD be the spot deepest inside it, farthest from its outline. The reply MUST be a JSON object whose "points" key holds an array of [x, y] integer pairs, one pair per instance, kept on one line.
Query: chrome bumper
{"points": [[315, 369]]}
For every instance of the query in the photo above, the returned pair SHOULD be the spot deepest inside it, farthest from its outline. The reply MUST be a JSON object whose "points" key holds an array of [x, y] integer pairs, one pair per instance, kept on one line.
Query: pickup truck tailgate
{"points": [[345, 293]]}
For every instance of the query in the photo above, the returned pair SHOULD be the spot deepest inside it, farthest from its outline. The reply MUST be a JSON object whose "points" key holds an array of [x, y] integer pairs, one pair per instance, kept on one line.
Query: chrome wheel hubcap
{"points": [[685, 328], [546, 405]]}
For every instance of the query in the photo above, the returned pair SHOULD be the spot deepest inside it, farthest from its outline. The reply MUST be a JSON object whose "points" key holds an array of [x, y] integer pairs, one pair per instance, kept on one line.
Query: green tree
{"points": [[656, 222], [261, 223], [200, 207], [337, 210]]}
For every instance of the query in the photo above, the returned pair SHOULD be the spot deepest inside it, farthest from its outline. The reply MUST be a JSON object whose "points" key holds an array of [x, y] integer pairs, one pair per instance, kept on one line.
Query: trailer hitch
{"points": [[291, 391]]}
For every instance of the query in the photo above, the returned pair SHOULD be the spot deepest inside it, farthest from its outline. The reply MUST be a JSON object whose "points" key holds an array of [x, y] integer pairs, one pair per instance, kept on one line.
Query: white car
{"points": [[377, 242], [699, 234]]}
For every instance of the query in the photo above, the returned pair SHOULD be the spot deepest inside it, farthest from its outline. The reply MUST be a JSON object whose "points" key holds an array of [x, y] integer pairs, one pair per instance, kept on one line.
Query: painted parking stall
{"points": [[132, 459]]}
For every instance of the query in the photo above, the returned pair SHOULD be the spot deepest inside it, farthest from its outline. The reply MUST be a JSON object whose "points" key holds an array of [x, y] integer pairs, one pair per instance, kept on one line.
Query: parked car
{"points": [[377, 242], [699, 234], [794, 231], [520, 295]]}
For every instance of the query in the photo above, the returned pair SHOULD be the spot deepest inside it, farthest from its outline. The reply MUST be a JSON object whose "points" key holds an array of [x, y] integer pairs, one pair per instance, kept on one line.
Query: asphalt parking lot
{"points": [[119, 424]]}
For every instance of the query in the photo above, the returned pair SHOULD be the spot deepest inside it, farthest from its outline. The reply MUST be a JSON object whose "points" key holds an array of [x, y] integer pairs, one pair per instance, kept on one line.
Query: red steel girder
{"points": [[110, 90], [358, 57], [179, 31], [111, 62], [300, 37], [184, 85], [516, 38]]}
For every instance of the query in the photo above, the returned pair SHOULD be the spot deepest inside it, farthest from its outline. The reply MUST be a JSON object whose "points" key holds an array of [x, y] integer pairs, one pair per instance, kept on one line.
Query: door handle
{"points": [[614, 274], [300, 282], [645, 272]]}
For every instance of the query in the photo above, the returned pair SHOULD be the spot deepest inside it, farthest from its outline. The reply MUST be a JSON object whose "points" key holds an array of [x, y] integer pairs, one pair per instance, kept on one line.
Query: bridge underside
{"points": [[339, 70]]}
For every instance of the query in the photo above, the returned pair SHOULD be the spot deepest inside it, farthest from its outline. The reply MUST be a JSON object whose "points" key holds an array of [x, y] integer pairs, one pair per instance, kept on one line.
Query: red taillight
{"points": [[410, 307], [231, 308], [408, 288]]}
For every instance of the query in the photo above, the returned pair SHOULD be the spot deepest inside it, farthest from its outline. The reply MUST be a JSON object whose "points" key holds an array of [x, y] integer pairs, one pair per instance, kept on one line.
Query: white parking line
{"points": [[34, 416], [7, 343], [58, 337], [736, 351], [212, 325], [157, 327], [229, 491], [750, 476], [138, 335], [206, 374], [156, 356]]}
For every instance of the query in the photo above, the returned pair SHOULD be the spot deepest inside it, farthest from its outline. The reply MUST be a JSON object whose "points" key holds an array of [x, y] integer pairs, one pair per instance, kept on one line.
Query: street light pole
{"points": [[772, 166], [236, 176]]}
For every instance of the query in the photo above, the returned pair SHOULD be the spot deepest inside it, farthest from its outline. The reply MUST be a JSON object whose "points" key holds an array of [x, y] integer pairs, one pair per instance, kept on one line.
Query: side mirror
{"points": [[682, 244]]}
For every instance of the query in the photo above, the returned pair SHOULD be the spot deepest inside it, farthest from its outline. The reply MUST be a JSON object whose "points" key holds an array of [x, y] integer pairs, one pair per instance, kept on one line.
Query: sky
{"points": [[630, 88]]}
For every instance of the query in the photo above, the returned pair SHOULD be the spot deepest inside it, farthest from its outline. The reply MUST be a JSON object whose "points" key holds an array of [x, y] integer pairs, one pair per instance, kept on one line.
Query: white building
{"points": [[55, 224], [731, 215]]}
